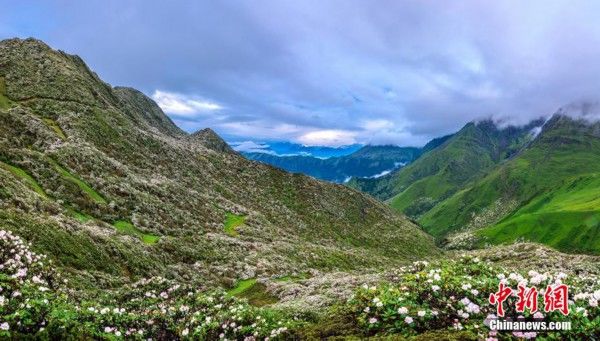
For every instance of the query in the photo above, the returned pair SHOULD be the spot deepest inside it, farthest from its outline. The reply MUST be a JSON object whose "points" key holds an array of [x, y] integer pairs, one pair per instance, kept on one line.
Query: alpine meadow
{"points": [[336, 170]]}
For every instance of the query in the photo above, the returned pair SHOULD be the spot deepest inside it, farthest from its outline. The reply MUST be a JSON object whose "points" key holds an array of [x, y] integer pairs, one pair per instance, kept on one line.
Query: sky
{"points": [[331, 72]]}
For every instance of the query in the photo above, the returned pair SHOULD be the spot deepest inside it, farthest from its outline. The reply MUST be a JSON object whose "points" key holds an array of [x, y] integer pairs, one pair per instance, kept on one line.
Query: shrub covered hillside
{"points": [[100, 180]]}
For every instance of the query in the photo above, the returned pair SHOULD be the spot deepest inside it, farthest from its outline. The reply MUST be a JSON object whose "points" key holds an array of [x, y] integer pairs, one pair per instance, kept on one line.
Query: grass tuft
{"points": [[232, 221], [22, 174], [256, 293], [126, 227], [52, 124], [95, 196]]}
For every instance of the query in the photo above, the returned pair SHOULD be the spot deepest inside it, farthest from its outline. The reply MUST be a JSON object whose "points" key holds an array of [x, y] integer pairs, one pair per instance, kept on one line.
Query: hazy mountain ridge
{"points": [[368, 161], [286, 148]]}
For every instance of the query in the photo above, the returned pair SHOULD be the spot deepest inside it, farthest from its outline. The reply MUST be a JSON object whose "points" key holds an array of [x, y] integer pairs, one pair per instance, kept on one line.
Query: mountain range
{"points": [[490, 185], [367, 162], [285, 148]]}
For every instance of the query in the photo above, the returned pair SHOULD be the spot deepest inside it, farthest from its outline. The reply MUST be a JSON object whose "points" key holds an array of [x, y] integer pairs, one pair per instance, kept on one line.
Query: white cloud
{"points": [[261, 129], [251, 147], [183, 105], [378, 124], [328, 137], [379, 175]]}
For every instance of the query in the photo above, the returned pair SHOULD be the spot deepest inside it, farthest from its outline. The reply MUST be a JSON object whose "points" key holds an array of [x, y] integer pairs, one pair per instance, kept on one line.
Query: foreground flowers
{"points": [[409, 304], [33, 302], [447, 296]]}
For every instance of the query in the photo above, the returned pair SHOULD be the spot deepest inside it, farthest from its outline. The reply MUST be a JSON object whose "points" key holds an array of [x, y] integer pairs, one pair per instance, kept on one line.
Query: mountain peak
{"points": [[35, 75], [27, 42], [34, 72], [211, 140], [143, 109]]}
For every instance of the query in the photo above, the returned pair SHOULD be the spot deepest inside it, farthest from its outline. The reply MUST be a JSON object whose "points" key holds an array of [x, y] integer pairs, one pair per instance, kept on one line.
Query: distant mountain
{"points": [[436, 142], [369, 161], [209, 139], [279, 148]]}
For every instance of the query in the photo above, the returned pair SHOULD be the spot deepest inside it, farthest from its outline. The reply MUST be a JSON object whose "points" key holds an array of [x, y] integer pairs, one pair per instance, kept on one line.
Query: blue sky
{"points": [[332, 72]]}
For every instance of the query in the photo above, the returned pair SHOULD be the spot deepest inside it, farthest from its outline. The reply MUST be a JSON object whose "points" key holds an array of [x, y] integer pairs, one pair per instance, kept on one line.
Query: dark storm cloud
{"points": [[332, 72]]}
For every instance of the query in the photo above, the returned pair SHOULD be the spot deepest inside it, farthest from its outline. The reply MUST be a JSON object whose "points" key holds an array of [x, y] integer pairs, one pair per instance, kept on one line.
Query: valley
{"points": [[117, 224]]}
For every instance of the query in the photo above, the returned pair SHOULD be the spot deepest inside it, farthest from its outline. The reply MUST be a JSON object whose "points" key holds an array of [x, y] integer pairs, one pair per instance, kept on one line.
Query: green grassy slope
{"points": [[5, 103], [22, 174], [87, 189], [128, 228], [553, 186]]}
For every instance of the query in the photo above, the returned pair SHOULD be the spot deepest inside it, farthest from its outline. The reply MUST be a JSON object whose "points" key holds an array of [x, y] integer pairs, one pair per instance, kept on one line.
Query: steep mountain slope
{"points": [[444, 170], [548, 194], [103, 182], [368, 161]]}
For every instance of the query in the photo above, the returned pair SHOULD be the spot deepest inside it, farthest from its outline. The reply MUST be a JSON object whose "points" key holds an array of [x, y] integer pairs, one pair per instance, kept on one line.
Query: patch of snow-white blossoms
{"points": [[25, 281], [453, 295], [30, 301]]}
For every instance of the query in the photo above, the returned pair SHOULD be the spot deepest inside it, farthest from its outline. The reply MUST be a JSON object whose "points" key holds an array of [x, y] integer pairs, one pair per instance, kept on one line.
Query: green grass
{"points": [[566, 218], [232, 221], [566, 231], [52, 124], [293, 278], [241, 286], [5, 103], [254, 292], [22, 174], [126, 227], [95, 196], [81, 217]]}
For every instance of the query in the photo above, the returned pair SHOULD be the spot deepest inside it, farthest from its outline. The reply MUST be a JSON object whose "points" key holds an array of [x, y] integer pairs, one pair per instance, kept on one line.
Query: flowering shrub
{"points": [[453, 295], [32, 302], [450, 295], [161, 308], [27, 287]]}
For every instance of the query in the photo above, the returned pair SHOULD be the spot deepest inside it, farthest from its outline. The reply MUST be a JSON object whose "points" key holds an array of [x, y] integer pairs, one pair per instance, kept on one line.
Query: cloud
{"points": [[333, 138], [391, 72], [183, 105], [375, 125]]}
